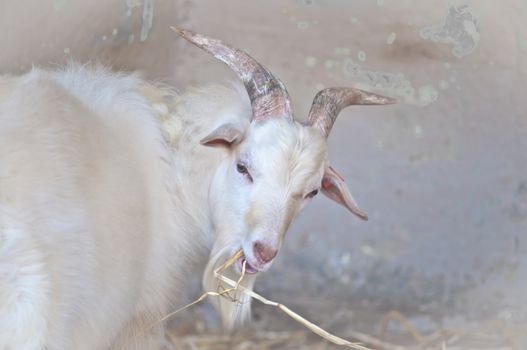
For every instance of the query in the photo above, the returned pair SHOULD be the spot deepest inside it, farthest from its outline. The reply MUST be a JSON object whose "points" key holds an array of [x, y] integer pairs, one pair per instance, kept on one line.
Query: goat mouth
{"points": [[249, 269]]}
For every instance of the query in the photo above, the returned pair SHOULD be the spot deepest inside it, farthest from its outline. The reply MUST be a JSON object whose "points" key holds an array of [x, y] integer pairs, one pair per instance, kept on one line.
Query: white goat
{"points": [[108, 193]]}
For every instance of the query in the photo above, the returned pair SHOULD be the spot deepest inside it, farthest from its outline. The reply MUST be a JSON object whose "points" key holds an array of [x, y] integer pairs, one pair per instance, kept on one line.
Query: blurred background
{"points": [[442, 263]]}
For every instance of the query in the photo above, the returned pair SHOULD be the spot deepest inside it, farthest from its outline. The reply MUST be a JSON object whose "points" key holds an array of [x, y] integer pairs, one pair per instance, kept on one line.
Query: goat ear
{"points": [[333, 186], [225, 135]]}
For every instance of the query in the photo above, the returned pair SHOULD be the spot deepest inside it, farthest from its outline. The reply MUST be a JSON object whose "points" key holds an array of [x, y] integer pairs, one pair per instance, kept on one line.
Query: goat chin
{"points": [[232, 313]]}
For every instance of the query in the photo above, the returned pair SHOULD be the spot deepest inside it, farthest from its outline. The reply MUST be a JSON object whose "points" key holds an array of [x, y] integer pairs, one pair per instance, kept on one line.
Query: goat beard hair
{"points": [[233, 313]]}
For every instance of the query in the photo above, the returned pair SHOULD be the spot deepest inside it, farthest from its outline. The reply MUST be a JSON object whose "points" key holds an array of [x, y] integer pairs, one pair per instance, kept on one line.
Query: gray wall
{"points": [[443, 175]]}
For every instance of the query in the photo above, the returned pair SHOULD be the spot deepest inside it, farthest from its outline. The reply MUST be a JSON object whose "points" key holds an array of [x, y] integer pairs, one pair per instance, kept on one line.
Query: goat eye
{"points": [[312, 194], [242, 169]]}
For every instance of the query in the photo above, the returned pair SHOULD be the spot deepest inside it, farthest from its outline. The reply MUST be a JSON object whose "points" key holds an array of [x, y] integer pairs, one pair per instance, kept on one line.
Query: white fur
{"points": [[107, 199]]}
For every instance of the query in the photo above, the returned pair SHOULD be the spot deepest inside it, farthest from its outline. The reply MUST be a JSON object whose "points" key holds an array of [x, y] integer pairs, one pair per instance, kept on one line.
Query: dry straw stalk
{"points": [[236, 286]]}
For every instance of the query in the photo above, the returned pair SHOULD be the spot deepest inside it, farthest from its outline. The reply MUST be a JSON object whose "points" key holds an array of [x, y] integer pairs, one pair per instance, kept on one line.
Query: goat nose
{"points": [[263, 252]]}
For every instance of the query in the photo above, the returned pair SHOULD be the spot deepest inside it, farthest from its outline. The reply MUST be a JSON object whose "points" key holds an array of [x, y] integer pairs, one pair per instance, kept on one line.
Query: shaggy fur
{"points": [[107, 198]]}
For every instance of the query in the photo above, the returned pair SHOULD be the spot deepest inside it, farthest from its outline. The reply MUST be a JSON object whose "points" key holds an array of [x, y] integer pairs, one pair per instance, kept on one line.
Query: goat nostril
{"points": [[264, 252]]}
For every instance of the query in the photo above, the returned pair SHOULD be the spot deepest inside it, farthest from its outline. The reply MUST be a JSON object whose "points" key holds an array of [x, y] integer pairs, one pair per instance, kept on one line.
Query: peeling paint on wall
{"points": [[361, 56], [461, 28], [392, 84], [391, 38], [131, 5], [148, 19]]}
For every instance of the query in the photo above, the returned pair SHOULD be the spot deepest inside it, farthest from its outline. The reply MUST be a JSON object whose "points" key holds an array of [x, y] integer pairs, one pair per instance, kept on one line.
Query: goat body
{"points": [[99, 218]]}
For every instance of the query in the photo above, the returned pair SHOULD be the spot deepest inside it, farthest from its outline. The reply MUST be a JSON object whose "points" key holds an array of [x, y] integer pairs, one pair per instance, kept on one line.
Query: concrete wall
{"points": [[443, 175]]}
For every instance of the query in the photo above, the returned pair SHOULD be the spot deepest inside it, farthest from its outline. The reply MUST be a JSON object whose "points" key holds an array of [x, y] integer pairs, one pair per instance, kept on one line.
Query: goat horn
{"points": [[269, 97], [328, 103]]}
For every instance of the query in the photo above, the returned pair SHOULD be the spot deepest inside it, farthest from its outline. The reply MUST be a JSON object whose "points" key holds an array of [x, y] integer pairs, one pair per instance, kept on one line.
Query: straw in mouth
{"points": [[249, 269]]}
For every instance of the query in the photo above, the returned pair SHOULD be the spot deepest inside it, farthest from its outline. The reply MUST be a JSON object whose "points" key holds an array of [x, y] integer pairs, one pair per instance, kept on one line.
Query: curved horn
{"points": [[329, 102], [269, 97]]}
